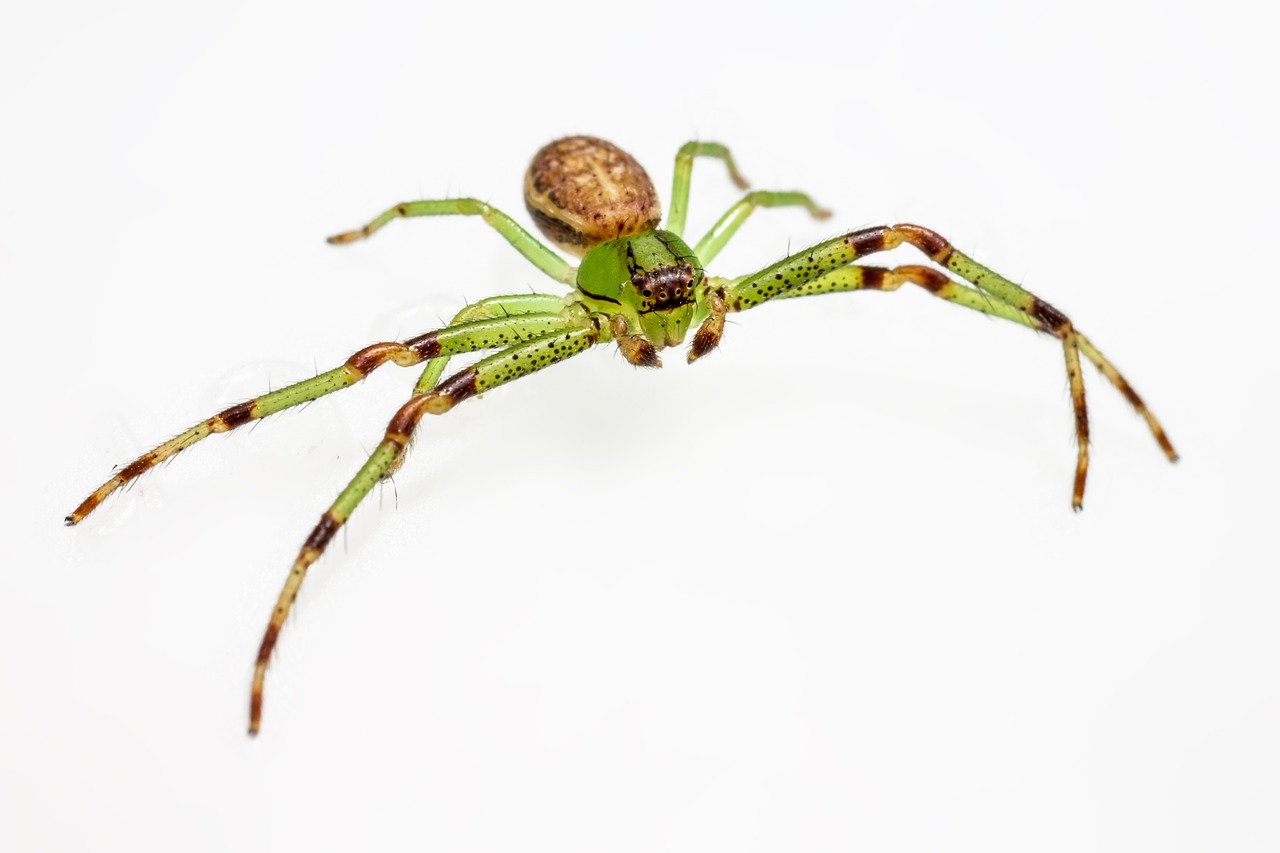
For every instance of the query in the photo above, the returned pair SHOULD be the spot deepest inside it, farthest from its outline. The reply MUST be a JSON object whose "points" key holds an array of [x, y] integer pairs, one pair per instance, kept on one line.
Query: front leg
{"points": [[794, 274]]}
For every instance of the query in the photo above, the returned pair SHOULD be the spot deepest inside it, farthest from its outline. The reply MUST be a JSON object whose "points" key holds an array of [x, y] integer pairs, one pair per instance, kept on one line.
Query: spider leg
{"points": [[878, 278], [1015, 303], [715, 239], [491, 308], [679, 211], [1109, 370], [939, 284], [525, 243], [464, 337], [857, 277], [488, 373]]}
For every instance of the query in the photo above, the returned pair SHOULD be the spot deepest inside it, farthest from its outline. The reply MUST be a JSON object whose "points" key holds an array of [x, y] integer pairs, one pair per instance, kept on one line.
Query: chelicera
{"points": [[638, 285]]}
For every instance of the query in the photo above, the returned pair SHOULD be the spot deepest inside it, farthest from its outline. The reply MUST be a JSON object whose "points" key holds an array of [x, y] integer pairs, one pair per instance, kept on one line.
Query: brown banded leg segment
{"points": [[806, 270], [1108, 370], [488, 373], [1075, 381], [466, 337]]}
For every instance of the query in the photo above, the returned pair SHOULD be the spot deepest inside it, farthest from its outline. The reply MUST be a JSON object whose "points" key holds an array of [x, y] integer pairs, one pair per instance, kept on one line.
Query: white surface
{"points": [[823, 591]]}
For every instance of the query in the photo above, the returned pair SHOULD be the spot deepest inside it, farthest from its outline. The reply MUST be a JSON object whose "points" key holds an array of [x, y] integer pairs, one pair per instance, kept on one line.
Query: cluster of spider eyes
{"points": [[676, 276], [676, 293]]}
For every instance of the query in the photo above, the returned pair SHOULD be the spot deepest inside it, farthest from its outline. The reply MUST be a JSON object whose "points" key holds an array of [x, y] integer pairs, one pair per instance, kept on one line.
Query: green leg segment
{"points": [[711, 244], [679, 210], [521, 359], [879, 278], [495, 307], [526, 244]]}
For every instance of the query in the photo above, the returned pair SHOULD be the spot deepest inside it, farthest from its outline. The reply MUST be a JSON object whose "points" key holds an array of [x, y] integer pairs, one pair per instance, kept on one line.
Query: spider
{"points": [[638, 285]]}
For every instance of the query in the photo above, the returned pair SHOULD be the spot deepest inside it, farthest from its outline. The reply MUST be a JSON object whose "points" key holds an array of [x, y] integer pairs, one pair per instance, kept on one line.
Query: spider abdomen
{"points": [[582, 191]]}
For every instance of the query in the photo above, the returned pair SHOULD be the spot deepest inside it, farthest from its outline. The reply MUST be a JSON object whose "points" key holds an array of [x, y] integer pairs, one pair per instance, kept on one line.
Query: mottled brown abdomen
{"points": [[582, 191]]}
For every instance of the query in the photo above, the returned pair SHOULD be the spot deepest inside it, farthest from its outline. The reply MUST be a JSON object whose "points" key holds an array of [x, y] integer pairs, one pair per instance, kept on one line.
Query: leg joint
{"points": [[933, 244], [1049, 318], [372, 357]]}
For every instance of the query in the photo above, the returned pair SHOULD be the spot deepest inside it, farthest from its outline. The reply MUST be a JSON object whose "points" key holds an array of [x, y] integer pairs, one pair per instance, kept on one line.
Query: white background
{"points": [[822, 591]]}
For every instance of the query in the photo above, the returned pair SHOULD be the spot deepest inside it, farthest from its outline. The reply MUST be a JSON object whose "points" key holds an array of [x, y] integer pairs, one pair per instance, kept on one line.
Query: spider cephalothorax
{"points": [[637, 286], [650, 280]]}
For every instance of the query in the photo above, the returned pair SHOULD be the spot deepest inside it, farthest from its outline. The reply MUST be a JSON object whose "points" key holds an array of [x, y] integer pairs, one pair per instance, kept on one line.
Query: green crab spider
{"points": [[640, 286]]}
